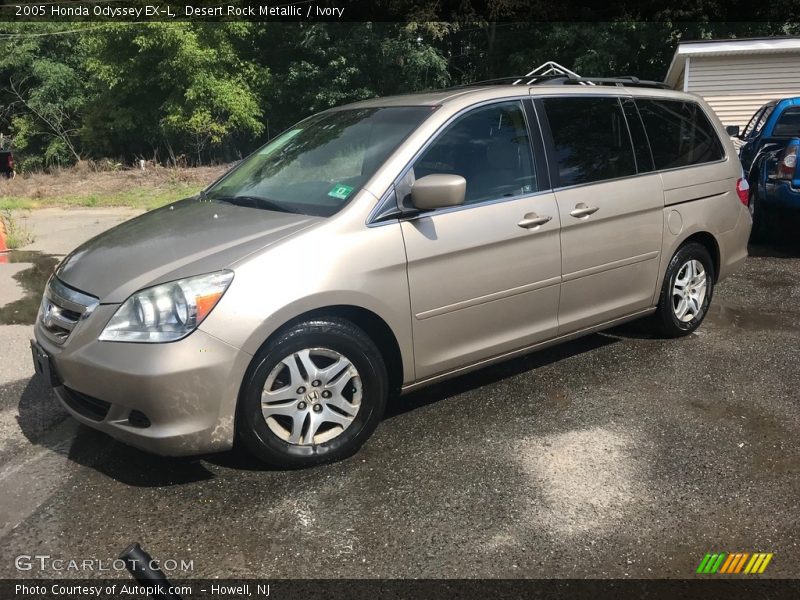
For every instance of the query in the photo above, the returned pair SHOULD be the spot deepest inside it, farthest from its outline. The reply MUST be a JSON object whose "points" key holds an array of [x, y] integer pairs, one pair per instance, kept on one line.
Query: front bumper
{"points": [[187, 390]]}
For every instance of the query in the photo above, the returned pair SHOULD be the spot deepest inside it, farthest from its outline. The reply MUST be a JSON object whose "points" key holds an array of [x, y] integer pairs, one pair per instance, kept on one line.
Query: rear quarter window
{"points": [[680, 133]]}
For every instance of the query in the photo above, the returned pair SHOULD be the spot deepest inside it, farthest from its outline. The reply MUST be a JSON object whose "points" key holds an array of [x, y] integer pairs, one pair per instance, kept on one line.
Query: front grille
{"points": [[62, 309], [86, 406]]}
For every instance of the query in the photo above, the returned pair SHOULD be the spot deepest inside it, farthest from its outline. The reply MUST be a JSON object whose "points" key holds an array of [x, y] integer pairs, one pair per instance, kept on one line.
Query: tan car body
{"points": [[412, 282]]}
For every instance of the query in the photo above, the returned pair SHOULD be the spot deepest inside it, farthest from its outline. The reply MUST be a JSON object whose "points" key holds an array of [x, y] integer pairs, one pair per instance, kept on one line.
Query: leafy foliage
{"points": [[199, 92]]}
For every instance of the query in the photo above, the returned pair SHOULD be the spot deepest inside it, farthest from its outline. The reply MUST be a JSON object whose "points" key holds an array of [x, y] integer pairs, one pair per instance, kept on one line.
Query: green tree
{"points": [[320, 65], [42, 93], [171, 86], [214, 91]]}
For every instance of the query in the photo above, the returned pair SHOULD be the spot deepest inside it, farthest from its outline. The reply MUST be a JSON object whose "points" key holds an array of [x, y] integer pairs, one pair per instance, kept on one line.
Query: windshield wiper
{"points": [[252, 202]]}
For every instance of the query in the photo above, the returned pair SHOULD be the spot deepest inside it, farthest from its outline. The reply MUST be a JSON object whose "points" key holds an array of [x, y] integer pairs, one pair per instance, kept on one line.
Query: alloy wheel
{"points": [[311, 396], [689, 291]]}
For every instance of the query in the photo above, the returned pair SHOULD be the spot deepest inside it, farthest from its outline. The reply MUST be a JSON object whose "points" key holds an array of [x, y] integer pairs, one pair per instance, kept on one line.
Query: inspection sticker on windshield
{"points": [[340, 191]]}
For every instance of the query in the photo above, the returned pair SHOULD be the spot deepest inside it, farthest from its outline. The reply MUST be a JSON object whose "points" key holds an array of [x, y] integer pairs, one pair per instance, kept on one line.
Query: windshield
{"points": [[318, 165]]}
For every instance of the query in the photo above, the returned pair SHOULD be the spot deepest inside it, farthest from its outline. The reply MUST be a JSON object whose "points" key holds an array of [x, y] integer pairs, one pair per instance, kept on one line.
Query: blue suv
{"points": [[769, 158]]}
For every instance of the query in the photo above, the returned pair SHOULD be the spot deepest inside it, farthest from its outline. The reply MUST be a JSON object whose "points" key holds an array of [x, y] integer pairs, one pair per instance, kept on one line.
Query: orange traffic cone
{"points": [[3, 247]]}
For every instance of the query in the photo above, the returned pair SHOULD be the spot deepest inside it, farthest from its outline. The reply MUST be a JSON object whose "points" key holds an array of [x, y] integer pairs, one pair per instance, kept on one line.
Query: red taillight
{"points": [[743, 191], [787, 164], [10, 161]]}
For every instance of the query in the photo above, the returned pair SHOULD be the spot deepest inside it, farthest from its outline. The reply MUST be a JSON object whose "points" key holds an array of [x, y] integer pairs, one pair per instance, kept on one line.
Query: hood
{"points": [[190, 237]]}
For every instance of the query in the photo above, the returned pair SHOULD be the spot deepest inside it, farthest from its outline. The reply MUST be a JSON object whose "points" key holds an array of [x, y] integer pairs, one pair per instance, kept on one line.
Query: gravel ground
{"points": [[617, 455]]}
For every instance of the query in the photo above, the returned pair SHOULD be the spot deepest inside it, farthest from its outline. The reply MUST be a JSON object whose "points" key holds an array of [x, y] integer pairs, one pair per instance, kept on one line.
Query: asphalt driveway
{"points": [[617, 455]]}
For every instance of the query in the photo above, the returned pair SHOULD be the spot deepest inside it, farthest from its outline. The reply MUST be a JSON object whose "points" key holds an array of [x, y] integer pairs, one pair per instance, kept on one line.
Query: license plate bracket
{"points": [[43, 364]]}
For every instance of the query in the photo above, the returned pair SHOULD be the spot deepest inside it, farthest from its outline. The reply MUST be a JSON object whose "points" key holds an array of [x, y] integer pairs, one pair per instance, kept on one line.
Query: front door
{"points": [[483, 277]]}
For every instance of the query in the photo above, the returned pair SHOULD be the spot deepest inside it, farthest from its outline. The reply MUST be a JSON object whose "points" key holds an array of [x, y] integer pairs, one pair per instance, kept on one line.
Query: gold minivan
{"points": [[388, 244]]}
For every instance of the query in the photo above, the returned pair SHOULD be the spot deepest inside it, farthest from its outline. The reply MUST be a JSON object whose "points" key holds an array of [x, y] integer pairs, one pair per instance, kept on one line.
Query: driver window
{"points": [[489, 147]]}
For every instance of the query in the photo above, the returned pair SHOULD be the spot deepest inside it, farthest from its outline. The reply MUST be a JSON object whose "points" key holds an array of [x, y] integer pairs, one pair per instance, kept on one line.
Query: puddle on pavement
{"points": [[725, 316], [32, 280]]}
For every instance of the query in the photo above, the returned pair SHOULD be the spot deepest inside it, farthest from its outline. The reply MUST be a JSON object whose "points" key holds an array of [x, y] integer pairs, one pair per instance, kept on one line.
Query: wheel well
{"points": [[710, 243], [373, 325]]}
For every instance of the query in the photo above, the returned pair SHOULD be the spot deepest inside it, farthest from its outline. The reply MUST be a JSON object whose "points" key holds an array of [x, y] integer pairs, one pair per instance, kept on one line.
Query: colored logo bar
{"points": [[734, 563]]}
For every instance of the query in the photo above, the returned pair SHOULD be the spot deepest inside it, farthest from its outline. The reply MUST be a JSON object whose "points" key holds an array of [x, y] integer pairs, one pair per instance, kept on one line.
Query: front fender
{"points": [[339, 263]]}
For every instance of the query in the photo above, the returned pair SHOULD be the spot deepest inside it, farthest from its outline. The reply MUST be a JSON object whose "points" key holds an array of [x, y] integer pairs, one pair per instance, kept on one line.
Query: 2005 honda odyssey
{"points": [[388, 244]]}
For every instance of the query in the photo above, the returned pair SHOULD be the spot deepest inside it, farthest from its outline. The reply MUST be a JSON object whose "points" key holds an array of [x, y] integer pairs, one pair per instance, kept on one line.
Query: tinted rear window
{"points": [[591, 139], [680, 133], [788, 124]]}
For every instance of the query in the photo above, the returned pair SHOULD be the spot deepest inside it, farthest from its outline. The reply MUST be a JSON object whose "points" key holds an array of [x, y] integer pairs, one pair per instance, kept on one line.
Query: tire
{"points": [[666, 320], [762, 219], [287, 440]]}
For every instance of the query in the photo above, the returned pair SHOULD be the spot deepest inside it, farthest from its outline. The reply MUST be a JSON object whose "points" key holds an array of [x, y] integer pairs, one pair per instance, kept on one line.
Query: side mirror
{"points": [[732, 130], [438, 191]]}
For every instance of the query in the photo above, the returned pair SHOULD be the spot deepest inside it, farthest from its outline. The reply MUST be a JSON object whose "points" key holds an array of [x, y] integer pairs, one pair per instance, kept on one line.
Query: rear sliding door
{"points": [[610, 204]]}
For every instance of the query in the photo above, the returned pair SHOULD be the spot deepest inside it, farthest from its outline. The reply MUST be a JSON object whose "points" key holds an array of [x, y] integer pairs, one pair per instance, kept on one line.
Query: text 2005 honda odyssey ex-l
{"points": [[385, 245]]}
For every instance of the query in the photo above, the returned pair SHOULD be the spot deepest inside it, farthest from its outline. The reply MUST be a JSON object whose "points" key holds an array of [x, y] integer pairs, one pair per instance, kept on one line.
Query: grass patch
{"points": [[144, 197], [76, 188], [17, 235]]}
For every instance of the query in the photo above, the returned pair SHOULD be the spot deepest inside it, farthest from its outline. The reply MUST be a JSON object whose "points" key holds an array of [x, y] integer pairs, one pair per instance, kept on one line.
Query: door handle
{"points": [[583, 210], [532, 220]]}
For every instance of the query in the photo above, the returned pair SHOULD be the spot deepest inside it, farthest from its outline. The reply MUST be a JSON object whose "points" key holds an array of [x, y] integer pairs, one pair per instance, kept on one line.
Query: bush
{"points": [[16, 235]]}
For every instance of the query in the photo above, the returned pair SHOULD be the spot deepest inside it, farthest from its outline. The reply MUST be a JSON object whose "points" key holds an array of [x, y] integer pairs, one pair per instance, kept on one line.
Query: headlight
{"points": [[167, 312]]}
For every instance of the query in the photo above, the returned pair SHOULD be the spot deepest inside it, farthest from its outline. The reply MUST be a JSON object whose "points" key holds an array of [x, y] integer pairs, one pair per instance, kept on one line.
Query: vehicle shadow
{"points": [[495, 373], [783, 243], [40, 416], [38, 411], [781, 248], [96, 450], [239, 459]]}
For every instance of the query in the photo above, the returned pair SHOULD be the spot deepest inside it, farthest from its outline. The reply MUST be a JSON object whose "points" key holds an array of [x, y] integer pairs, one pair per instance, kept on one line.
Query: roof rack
{"points": [[622, 81], [512, 80], [560, 79]]}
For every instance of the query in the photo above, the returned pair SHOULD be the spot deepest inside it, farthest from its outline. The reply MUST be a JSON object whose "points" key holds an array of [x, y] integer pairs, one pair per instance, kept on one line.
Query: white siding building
{"points": [[737, 76]]}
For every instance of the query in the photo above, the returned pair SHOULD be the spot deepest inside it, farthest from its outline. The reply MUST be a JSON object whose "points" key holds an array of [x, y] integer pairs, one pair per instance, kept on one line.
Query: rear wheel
{"points": [[762, 219], [316, 394], [686, 291]]}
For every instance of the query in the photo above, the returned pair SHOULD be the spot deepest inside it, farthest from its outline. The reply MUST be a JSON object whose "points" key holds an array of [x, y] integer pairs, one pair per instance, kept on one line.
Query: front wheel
{"points": [[686, 291], [315, 394]]}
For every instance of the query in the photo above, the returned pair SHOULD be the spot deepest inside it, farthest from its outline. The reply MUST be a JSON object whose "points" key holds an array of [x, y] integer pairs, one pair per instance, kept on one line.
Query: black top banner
{"points": [[398, 10]]}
